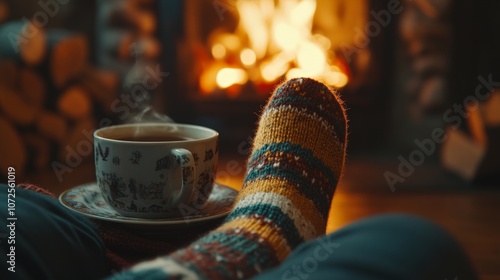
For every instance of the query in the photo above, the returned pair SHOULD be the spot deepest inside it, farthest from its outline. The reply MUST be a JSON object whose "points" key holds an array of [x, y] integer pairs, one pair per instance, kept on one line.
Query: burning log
{"points": [[23, 42], [264, 49]]}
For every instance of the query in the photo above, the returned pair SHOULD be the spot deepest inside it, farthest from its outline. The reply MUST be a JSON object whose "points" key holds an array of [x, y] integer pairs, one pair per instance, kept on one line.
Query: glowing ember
{"points": [[231, 76], [311, 58], [248, 57], [218, 51], [273, 40]]}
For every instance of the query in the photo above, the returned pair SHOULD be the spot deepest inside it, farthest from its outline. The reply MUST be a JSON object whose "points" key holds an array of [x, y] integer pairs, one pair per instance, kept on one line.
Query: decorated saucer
{"points": [[87, 200]]}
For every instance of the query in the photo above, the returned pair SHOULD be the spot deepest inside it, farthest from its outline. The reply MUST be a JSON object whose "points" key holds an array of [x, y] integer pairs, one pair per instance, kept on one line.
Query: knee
{"points": [[412, 243], [405, 225], [408, 230]]}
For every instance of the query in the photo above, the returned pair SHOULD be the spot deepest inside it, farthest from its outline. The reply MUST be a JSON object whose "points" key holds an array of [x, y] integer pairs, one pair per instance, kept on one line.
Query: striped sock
{"points": [[297, 159]]}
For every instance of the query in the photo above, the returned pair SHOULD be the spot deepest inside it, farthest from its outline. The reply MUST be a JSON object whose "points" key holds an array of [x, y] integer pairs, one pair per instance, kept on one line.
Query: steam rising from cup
{"points": [[149, 115], [138, 86]]}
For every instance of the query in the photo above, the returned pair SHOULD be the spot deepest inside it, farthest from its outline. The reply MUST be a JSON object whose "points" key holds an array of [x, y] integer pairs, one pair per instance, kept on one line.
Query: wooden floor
{"points": [[472, 216]]}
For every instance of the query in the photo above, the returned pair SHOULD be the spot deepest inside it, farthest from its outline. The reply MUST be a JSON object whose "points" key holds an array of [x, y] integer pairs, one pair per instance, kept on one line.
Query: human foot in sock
{"points": [[292, 173]]}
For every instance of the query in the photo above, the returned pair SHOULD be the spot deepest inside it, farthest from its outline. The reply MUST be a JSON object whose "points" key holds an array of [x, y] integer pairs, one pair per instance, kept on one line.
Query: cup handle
{"points": [[186, 161]]}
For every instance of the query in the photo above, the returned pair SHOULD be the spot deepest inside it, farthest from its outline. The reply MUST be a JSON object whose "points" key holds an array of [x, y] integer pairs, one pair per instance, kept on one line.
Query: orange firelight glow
{"points": [[227, 77], [273, 40]]}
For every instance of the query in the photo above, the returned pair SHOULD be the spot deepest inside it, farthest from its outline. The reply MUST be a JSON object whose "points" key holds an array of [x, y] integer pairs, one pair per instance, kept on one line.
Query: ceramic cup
{"points": [[150, 170]]}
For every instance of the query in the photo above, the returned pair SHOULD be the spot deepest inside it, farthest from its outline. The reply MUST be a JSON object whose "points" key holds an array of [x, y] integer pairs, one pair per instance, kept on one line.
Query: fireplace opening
{"points": [[232, 54], [270, 42]]}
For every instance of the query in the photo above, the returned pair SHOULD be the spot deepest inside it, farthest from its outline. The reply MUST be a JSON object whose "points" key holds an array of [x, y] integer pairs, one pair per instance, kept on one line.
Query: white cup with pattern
{"points": [[152, 170]]}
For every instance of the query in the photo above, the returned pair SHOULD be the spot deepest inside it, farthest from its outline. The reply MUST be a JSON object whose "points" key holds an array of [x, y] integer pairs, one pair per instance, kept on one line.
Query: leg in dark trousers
{"points": [[380, 248], [51, 242]]}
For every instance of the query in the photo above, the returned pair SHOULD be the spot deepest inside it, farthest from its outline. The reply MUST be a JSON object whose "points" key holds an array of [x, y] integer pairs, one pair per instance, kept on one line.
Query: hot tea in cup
{"points": [[150, 170]]}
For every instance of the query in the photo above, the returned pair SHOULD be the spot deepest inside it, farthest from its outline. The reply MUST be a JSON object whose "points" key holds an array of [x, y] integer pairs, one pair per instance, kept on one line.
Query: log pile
{"points": [[49, 94]]}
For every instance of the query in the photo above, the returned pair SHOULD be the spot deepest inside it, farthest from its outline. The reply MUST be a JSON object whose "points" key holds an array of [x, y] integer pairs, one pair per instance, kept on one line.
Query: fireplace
{"points": [[231, 54], [399, 65]]}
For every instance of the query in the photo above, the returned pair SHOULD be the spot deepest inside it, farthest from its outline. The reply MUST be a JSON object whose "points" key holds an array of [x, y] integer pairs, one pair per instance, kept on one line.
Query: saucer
{"points": [[87, 200]]}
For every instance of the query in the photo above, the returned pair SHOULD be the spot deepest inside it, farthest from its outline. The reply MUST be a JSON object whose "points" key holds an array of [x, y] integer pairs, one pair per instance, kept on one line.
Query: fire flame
{"points": [[274, 39]]}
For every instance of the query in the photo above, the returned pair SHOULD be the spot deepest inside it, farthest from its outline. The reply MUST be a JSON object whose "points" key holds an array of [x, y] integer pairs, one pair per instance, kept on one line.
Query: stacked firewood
{"points": [[49, 94]]}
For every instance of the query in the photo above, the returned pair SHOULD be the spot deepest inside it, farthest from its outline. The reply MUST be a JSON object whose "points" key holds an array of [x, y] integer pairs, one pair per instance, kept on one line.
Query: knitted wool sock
{"points": [[297, 159]]}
